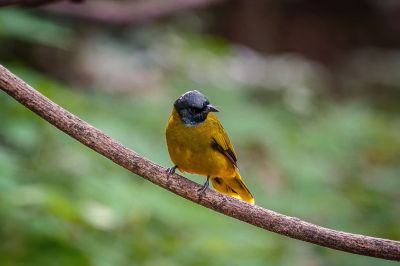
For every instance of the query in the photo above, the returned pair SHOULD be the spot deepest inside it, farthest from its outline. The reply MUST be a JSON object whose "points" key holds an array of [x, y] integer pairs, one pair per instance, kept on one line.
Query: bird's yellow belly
{"points": [[191, 150]]}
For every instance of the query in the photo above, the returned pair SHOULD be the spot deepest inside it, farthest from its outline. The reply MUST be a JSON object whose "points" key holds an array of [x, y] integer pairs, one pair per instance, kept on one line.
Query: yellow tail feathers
{"points": [[233, 187]]}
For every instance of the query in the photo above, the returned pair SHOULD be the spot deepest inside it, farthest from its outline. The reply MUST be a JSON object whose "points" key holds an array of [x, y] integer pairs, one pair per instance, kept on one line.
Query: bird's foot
{"points": [[171, 170], [205, 186]]}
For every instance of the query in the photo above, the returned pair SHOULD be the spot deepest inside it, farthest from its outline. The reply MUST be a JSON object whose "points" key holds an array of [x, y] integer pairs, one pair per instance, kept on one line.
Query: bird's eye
{"points": [[193, 110]]}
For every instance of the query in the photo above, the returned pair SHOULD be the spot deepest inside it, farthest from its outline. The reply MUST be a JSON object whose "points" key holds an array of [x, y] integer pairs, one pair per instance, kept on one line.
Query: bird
{"points": [[198, 144]]}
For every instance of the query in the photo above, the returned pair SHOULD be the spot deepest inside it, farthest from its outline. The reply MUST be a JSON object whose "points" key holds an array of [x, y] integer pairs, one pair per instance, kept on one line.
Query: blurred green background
{"points": [[317, 133]]}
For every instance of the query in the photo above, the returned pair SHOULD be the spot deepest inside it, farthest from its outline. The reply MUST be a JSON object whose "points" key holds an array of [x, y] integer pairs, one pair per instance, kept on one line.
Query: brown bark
{"points": [[255, 215]]}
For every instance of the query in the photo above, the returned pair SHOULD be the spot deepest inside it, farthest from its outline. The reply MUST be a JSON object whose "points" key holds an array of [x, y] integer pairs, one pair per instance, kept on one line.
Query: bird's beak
{"points": [[212, 108]]}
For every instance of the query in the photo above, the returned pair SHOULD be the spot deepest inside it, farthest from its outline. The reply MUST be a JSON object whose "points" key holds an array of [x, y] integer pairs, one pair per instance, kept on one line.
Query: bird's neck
{"points": [[189, 121]]}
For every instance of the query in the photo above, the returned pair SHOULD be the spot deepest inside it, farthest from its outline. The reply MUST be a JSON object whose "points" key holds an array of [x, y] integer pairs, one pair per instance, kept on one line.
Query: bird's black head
{"points": [[193, 107]]}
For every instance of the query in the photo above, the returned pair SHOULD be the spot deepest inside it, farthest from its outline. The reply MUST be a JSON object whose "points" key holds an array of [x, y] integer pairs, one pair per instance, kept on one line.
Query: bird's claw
{"points": [[202, 190], [204, 187], [171, 170]]}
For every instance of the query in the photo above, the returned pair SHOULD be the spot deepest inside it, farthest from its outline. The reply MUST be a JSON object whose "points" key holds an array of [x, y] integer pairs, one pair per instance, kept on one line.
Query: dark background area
{"points": [[309, 92]]}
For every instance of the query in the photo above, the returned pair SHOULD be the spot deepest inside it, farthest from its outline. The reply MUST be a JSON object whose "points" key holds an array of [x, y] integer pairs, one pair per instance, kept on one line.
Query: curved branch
{"points": [[255, 215]]}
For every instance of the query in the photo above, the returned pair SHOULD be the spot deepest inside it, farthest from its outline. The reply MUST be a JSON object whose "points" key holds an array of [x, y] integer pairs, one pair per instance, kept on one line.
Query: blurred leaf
{"points": [[32, 28]]}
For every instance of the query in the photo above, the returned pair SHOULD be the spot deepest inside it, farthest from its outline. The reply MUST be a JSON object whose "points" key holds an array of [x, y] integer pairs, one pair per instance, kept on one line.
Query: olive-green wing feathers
{"points": [[222, 143]]}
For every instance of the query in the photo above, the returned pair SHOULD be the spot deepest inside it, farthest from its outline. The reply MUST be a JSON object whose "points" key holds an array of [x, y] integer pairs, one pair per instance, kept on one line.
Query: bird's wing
{"points": [[221, 142]]}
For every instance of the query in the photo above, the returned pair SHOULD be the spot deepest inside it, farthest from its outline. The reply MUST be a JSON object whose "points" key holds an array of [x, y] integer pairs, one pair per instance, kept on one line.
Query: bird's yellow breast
{"points": [[190, 147]]}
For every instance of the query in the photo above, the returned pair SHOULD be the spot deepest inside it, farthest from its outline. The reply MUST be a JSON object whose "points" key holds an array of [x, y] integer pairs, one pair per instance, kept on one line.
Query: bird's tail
{"points": [[233, 187]]}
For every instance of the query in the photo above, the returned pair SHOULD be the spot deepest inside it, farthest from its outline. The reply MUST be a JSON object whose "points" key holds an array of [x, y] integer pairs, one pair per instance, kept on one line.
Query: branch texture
{"points": [[255, 215]]}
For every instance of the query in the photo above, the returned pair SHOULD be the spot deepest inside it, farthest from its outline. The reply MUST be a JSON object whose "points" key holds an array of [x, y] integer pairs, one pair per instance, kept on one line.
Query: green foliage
{"points": [[26, 27], [61, 202]]}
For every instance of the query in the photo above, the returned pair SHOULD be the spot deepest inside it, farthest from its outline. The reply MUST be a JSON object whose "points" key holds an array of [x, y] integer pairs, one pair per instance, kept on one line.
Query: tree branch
{"points": [[255, 215]]}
